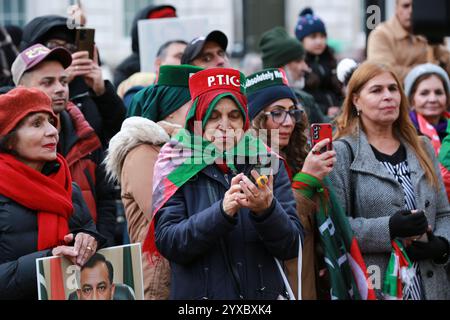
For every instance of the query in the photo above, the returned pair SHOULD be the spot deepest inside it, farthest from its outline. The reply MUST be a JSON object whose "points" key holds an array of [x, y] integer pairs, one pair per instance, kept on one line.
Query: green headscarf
{"points": [[158, 101]]}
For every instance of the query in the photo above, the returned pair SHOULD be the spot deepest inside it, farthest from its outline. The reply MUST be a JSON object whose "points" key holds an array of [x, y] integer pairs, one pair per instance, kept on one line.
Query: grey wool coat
{"points": [[365, 187]]}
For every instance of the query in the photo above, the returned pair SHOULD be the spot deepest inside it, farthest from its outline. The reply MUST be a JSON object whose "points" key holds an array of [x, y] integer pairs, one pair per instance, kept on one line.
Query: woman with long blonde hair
{"points": [[387, 179]]}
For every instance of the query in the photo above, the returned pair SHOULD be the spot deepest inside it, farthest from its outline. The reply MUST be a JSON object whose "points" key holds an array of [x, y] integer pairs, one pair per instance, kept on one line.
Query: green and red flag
{"points": [[398, 273], [345, 264]]}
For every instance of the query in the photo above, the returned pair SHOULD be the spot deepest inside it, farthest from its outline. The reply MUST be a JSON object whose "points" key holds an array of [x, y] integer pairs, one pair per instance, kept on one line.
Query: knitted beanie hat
{"points": [[266, 87], [278, 48], [308, 23], [420, 70]]}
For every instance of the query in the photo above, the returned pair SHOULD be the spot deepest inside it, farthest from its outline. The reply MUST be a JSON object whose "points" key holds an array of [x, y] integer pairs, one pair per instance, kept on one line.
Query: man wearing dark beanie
{"points": [[279, 50]]}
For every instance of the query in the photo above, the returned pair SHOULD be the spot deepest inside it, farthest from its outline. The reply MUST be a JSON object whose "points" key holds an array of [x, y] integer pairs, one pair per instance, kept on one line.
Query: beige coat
{"points": [[392, 45], [131, 158]]}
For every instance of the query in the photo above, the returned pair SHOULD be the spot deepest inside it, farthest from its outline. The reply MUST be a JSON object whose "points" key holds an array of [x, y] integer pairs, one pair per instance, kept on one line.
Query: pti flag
{"points": [[345, 264]]}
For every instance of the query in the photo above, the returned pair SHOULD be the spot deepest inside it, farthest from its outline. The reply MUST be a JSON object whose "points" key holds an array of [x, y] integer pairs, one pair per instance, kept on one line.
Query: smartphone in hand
{"points": [[84, 40], [262, 167], [319, 132]]}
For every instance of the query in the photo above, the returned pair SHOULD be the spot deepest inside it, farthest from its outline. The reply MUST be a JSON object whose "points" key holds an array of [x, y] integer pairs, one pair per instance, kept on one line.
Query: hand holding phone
{"points": [[263, 170], [258, 195], [319, 132]]}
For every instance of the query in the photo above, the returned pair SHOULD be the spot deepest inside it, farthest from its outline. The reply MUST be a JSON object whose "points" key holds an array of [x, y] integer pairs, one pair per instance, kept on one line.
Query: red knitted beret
{"points": [[20, 102]]}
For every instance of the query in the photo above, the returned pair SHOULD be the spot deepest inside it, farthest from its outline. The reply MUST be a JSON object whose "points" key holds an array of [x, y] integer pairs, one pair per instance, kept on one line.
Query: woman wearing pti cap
{"points": [[220, 231], [39, 206], [276, 114], [133, 152], [321, 82], [387, 178], [428, 89]]}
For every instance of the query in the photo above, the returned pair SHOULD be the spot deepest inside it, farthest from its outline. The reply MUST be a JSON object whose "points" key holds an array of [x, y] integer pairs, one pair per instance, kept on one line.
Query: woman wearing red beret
{"points": [[41, 213]]}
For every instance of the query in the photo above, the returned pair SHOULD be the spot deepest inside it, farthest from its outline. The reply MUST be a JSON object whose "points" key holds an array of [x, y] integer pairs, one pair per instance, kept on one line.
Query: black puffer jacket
{"points": [[132, 64], [322, 82], [104, 113], [18, 243]]}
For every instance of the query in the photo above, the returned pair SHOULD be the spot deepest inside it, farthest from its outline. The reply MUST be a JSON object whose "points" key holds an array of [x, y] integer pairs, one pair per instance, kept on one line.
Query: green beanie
{"points": [[278, 48], [168, 95]]}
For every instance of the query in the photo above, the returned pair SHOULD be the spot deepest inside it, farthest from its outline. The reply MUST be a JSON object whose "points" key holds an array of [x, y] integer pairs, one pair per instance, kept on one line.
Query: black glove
{"points": [[437, 249], [405, 224]]}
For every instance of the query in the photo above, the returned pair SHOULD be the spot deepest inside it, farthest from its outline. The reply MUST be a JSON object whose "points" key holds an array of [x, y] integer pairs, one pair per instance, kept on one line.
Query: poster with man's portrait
{"points": [[110, 274]]}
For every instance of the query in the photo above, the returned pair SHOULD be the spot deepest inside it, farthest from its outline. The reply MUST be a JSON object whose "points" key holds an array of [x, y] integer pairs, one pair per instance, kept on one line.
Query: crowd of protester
{"points": [[215, 170]]}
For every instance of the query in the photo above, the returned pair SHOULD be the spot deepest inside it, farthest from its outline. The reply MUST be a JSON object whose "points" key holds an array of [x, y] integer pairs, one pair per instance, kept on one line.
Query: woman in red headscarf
{"points": [[41, 213], [220, 230]]}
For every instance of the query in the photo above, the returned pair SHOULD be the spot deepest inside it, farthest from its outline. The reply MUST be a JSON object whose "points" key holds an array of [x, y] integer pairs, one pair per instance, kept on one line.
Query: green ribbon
{"points": [[307, 184]]}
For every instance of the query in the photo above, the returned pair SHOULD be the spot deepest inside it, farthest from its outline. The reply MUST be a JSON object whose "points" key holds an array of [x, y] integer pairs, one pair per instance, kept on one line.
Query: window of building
{"points": [[12, 12], [131, 7]]}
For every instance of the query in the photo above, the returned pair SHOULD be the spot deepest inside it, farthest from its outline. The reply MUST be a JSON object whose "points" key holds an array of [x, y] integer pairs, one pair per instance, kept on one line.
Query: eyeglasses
{"points": [[279, 116], [51, 44]]}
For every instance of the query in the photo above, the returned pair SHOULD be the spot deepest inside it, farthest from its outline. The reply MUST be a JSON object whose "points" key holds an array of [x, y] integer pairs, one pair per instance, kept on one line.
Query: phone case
{"points": [[319, 132], [85, 40]]}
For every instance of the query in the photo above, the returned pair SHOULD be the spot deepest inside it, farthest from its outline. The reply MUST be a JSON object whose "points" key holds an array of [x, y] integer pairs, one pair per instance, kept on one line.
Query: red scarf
{"points": [[50, 196], [428, 130]]}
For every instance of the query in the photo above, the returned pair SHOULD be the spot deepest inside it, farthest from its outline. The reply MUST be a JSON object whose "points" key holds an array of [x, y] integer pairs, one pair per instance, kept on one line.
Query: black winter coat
{"points": [[214, 256], [322, 83], [18, 244]]}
